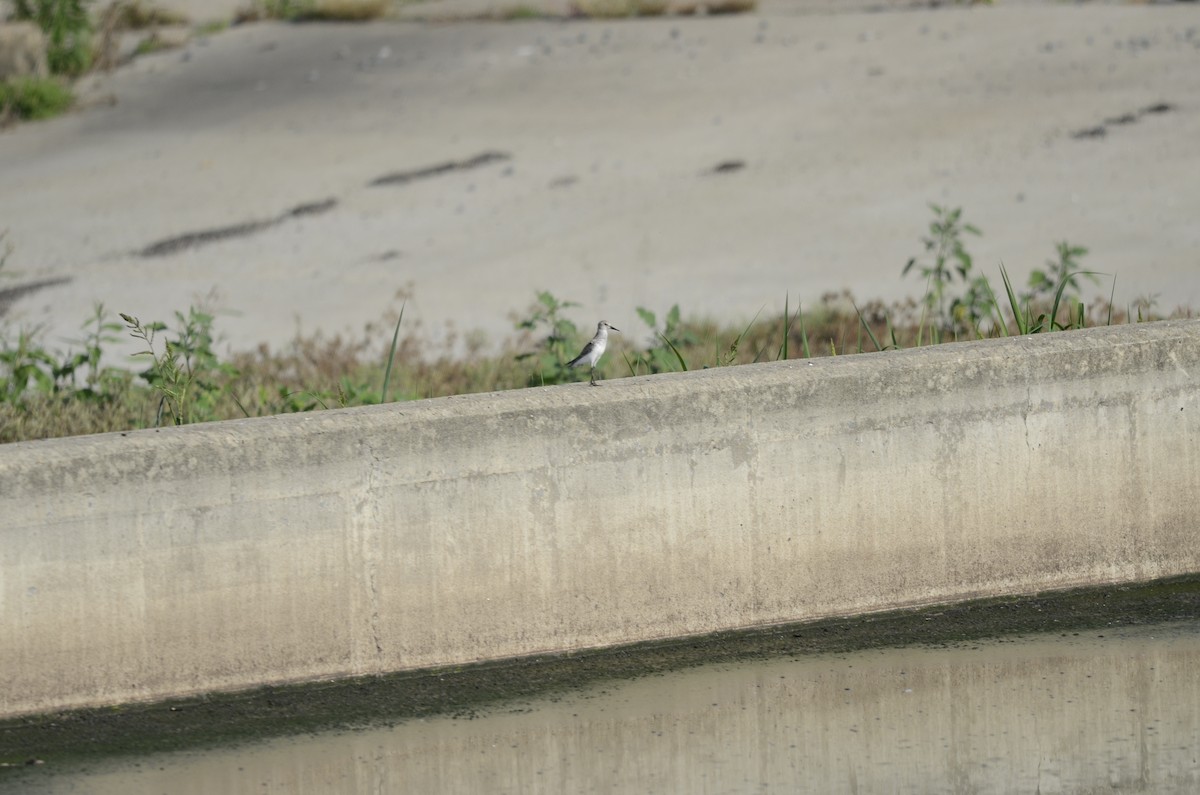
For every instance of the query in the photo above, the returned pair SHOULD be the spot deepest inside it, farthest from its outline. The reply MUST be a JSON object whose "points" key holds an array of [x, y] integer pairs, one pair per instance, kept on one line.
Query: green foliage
{"points": [[1029, 317], [949, 258], [664, 355], [68, 32], [558, 344], [187, 374], [98, 383], [33, 98], [387, 372], [25, 367], [1065, 271], [29, 370], [44, 393], [974, 311]]}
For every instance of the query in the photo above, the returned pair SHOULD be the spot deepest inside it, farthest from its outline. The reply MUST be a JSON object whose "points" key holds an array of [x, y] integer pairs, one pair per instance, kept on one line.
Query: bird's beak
{"points": [[613, 328]]}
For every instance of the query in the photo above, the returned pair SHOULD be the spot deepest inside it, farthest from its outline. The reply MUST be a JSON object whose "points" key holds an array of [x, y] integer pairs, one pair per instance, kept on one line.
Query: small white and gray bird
{"points": [[592, 352]]}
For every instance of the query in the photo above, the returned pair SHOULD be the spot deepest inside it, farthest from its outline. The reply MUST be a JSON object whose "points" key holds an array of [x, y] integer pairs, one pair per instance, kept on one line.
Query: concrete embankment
{"points": [[164, 563]]}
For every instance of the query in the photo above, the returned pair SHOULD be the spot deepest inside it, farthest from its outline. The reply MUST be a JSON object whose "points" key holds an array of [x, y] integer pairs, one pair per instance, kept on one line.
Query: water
{"points": [[1111, 711]]}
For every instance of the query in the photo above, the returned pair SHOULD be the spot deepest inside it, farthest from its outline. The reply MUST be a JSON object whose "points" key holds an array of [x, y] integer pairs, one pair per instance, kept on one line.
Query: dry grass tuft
{"points": [[138, 15], [315, 10], [347, 10], [715, 7], [616, 9]]}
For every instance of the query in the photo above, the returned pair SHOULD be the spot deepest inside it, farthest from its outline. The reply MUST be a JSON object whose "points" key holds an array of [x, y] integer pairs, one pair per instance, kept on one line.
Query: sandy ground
{"points": [[848, 124]]}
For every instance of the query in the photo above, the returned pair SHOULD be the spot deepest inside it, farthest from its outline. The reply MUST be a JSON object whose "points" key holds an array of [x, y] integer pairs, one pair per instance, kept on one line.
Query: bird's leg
{"points": [[593, 381]]}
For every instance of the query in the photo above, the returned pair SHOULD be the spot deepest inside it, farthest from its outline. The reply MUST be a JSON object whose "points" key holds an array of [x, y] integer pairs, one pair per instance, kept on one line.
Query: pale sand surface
{"points": [[849, 123]]}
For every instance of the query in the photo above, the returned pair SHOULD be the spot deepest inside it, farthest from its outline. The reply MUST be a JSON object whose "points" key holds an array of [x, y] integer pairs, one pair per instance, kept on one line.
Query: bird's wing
{"points": [[587, 349]]}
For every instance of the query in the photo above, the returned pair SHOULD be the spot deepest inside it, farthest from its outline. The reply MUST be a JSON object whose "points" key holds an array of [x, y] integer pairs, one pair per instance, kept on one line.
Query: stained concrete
{"points": [[849, 123], [156, 564]]}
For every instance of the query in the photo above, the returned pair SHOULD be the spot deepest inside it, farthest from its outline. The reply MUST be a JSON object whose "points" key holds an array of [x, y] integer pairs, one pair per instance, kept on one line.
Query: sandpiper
{"points": [[592, 352]]}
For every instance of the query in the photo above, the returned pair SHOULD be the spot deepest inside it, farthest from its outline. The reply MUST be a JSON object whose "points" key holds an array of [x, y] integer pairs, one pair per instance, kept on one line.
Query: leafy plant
{"points": [[23, 367], [949, 258], [28, 368], [664, 355], [1030, 318], [557, 345], [1064, 271], [187, 373], [99, 383], [44, 393], [68, 32]]}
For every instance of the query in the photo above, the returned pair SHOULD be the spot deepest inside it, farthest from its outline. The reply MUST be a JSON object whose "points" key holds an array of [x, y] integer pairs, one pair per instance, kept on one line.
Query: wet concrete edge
{"points": [[57, 741]]}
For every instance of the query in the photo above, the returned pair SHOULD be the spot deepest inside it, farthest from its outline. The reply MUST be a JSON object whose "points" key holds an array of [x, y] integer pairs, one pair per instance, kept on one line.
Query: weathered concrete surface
{"points": [[222, 556], [849, 124]]}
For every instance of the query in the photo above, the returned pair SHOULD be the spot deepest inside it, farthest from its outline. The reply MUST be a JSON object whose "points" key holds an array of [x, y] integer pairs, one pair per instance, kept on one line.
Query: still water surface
{"points": [[1101, 711]]}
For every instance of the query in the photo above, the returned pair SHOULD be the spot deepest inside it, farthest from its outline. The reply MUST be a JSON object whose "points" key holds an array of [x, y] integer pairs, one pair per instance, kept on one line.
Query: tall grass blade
{"points": [[870, 333], [387, 373], [629, 364], [674, 350], [787, 329], [1062, 285], [1018, 317], [1111, 296], [997, 314], [238, 403], [731, 354], [803, 332]]}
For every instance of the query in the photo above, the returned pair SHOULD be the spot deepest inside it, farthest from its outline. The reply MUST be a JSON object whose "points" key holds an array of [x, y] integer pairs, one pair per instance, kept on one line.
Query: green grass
{"points": [[33, 98], [316, 10], [613, 9], [68, 29], [519, 12], [48, 393]]}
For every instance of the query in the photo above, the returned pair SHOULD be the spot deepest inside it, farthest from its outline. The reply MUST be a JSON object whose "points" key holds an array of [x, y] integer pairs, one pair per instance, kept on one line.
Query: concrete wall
{"points": [[162, 563]]}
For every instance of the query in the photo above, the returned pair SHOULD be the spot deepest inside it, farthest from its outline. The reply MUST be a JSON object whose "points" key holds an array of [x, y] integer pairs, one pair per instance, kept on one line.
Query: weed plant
{"points": [[139, 15], [33, 98], [46, 393], [68, 32], [315, 10], [615, 9]]}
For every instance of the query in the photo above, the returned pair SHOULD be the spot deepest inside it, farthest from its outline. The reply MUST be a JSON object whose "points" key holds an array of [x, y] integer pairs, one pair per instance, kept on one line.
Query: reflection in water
{"points": [[1113, 712]]}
